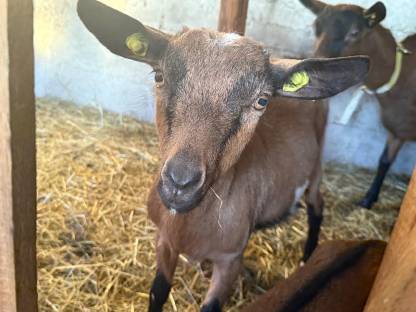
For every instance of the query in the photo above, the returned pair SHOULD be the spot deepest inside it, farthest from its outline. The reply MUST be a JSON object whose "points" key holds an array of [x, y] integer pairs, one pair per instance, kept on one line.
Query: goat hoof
{"points": [[365, 203]]}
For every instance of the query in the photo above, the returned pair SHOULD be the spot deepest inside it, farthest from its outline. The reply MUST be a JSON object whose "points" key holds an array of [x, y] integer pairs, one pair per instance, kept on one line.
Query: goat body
{"points": [[338, 277], [228, 164], [345, 30], [282, 159]]}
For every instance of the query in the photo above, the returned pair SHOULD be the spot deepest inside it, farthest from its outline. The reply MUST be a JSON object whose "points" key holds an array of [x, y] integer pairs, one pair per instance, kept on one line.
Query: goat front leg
{"points": [[314, 210], [166, 264], [386, 160], [224, 274]]}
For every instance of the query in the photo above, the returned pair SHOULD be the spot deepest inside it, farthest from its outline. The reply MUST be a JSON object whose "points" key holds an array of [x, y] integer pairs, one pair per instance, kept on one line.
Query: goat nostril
{"points": [[184, 177]]}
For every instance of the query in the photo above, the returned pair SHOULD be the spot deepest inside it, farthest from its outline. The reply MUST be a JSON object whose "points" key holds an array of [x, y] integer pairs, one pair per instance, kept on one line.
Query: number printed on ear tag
{"points": [[297, 81], [138, 44]]}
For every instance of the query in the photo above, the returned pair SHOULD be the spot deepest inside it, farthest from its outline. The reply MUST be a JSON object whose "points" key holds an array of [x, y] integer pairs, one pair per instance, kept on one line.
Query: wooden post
{"points": [[233, 15], [17, 159], [394, 289]]}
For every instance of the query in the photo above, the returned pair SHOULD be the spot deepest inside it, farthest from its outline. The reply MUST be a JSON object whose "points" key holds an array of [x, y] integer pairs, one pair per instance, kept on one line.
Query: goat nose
{"points": [[184, 176]]}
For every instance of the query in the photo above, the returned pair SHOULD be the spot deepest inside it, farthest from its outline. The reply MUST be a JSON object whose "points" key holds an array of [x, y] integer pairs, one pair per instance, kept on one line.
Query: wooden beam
{"points": [[17, 159], [395, 284], [233, 15]]}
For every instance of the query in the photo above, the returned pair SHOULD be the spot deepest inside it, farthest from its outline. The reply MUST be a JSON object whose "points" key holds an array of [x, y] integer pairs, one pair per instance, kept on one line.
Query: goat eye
{"points": [[353, 35], [158, 77], [261, 103]]}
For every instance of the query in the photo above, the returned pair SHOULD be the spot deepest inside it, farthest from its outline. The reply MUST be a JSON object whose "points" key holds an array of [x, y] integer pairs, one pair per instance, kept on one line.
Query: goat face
{"points": [[211, 90], [215, 88], [341, 29]]}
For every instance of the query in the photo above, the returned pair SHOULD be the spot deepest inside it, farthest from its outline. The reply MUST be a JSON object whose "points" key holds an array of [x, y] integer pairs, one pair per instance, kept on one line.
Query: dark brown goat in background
{"points": [[345, 30], [337, 278], [226, 168]]}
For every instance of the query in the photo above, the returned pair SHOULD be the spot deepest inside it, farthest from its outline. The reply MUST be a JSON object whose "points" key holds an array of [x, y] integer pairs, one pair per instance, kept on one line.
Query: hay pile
{"points": [[96, 246]]}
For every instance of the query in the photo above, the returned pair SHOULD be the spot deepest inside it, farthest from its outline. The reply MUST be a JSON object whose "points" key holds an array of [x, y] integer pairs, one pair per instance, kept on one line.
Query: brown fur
{"points": [[398, 106], [228, 164], [284, 152], [338, 277], [254, 176]]}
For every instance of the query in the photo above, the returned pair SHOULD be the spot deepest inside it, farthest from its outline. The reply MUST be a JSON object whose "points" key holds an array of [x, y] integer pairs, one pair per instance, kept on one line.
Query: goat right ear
{"points": [[375, 14], [122, 34], [313, 79], [314, 5]]}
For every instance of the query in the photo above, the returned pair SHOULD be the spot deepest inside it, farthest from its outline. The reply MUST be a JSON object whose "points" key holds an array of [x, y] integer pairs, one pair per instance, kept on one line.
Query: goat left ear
{"points": [[313, 79], [315, 6], [122, 34], [375, 14]]}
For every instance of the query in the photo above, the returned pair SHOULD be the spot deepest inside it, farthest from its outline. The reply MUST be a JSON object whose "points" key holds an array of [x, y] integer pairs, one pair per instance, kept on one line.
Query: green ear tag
{"points": [[297, 81], [137, 44]]}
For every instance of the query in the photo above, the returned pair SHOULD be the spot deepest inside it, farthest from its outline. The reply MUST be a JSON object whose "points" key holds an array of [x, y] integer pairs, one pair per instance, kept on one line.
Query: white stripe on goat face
{"points": [[299, 191]]}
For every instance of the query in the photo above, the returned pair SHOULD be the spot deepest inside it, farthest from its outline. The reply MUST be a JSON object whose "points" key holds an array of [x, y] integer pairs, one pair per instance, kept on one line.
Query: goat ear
{"points": [[314, 5], [375, 14], [313, 79], [122, 34]]}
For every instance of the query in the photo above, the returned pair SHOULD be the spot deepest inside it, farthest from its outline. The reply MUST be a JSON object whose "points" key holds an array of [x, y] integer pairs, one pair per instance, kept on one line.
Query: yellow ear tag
{"points": [[297, 81], [137, 44]]}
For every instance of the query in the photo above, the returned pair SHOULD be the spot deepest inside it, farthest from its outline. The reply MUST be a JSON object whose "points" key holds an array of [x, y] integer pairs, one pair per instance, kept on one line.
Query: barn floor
{"points": [[95, 244]]}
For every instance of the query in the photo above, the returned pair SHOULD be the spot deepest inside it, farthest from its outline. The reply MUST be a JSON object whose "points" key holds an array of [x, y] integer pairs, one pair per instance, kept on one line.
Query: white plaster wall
{"points": [[72, 65]]}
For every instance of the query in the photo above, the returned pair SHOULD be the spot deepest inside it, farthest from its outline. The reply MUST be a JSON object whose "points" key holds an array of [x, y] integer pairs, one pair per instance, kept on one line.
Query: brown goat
{"points": [[225, 167], [338, 277], [345, 30]]}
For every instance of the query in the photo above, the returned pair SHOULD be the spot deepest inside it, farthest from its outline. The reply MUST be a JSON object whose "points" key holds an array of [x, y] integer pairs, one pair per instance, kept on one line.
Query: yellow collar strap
{"points": [[400, 51], [353, 105]]}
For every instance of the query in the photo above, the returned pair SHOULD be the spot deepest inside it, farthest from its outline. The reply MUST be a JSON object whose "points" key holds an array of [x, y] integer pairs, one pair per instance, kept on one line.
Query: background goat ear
{"points": [[375, 14], [314, 5], [313, 79], [122, 34]]}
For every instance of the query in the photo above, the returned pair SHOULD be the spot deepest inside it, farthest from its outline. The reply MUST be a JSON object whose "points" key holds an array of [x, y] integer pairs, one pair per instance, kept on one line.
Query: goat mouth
{"points": [[179, 203]]}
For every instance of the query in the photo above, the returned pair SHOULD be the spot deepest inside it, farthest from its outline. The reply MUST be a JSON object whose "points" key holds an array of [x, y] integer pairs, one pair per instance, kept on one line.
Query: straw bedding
{"points": [[96, 245]]}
